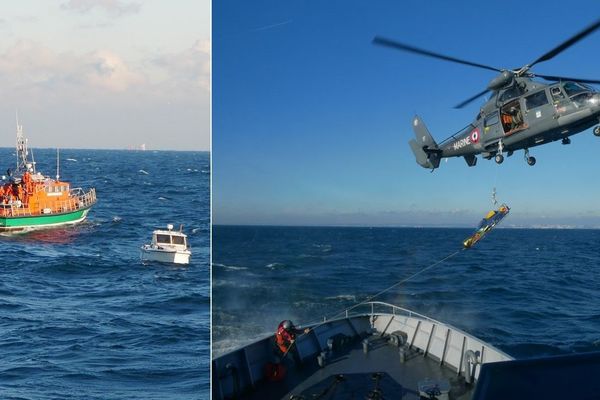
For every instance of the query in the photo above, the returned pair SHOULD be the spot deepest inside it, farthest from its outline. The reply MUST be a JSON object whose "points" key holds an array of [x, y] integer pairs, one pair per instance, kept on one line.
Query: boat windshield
{"points": [[163, 239], [178, 240]]}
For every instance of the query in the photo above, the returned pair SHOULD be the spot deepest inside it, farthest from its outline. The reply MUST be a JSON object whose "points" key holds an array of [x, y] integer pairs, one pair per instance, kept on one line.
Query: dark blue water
{"points": [[528, 292], [80, 316]]}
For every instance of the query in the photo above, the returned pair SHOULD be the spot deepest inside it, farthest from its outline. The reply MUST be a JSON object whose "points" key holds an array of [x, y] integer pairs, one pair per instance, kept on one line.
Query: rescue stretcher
{"points": [[487, 223]]}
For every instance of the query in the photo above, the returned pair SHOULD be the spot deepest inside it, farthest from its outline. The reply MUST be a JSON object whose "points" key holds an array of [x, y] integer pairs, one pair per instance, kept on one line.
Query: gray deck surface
{"points": [[398, 380]]}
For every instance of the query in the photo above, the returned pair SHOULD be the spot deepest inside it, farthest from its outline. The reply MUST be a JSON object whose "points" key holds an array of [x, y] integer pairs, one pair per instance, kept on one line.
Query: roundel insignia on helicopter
{"points": [[475, 136]]}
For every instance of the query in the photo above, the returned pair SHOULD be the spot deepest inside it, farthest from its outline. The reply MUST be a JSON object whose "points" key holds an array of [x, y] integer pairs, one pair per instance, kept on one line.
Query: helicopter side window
{"points": [[557, 94], [536, 100], [491, 119]]}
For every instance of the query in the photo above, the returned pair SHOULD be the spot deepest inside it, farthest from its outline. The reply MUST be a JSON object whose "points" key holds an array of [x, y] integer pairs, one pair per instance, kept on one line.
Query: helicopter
{"points": [[520, 113]]}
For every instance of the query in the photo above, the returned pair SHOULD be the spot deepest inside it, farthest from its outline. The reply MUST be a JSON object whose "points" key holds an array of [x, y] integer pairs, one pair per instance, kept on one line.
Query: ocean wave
{"points": [[276, 265], [229, 267], [325, 248], [344, 297]]}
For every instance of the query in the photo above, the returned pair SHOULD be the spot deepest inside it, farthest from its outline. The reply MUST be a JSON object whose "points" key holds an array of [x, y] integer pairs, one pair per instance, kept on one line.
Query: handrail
{"points": [[371, 311], [78, 199], [410, 314]]}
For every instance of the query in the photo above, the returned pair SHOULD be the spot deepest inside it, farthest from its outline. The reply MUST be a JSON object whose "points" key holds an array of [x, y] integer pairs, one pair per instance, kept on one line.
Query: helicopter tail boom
{"points": [[424, 147]]}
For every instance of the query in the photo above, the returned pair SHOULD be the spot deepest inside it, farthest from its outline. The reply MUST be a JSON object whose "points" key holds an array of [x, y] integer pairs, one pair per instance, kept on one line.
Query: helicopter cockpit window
{"points": [[491, 119], [573, 88], [536, 100], [557, 94]]}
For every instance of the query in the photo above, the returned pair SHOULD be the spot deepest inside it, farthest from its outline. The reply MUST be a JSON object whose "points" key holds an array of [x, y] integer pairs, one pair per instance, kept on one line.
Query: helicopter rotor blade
{"points": [[568, 43], [464, 103], [404, 47], [564, 78]]}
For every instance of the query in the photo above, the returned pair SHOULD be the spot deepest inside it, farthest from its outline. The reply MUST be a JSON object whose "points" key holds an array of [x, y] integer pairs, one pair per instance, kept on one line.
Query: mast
{"points": [[57, 164], [22, 151]]}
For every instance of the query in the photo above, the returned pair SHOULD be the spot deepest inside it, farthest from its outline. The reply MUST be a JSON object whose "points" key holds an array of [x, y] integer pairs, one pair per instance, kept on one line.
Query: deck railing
{"points": [[78, 199]]}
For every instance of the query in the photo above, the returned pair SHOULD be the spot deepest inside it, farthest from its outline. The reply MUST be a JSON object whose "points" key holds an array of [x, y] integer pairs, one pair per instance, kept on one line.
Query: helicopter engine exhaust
{"points": [[424, 147]]}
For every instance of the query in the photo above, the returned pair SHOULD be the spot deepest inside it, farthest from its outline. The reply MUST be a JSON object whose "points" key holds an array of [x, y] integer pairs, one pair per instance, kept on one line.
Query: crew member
{"points": [[516, 117], [285, 338], [27, 181]]}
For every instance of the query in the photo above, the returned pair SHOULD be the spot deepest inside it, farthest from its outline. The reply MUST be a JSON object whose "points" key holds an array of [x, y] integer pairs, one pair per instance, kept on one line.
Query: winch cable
{"points": [[372, 297]]}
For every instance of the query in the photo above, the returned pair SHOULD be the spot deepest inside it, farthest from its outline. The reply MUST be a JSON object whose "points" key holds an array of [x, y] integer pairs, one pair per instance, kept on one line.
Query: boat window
{"points": [[178, 240], [163, 239], [491, 119], [536, 100], [573, 88]]}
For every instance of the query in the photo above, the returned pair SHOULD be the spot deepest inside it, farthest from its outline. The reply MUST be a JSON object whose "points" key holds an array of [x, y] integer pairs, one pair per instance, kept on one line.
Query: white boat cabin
{"points": [[169, 238], [167, 246]]}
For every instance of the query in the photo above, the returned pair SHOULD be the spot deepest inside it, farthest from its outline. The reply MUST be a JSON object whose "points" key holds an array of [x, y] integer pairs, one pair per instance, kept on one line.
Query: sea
{"points": [[529, 292], [81, 317]]}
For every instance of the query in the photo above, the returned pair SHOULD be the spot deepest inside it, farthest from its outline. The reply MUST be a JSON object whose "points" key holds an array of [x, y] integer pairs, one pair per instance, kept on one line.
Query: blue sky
{"points": [[311, 121], [106, 73]]}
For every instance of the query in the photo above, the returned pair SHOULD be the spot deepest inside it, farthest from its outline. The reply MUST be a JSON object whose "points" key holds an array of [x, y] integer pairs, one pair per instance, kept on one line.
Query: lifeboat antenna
{"points": [[22, 152], [57, 164]]}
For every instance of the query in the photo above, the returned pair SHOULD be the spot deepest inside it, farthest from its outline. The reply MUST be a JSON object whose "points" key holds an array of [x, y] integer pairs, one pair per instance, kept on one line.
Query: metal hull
{"points": [[22, 223]]}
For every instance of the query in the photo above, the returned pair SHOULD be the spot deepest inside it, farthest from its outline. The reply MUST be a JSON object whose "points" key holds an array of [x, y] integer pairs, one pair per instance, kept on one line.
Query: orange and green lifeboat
{"points": [[35, 201], [30, 200]]}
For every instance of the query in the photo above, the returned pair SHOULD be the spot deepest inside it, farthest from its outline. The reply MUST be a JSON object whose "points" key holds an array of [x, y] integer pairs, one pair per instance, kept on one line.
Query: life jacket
{"points": [[284, 338], [506, 119]]}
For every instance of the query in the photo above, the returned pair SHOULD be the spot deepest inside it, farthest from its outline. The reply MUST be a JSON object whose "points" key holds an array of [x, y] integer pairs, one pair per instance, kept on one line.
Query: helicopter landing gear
{"points": [[499, 157], [530, 159], [597, 130], [566, 141]]}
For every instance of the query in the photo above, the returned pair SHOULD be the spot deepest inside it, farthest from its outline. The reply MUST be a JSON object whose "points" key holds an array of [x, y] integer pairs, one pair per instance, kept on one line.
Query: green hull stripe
{"points": [[13, 222]]}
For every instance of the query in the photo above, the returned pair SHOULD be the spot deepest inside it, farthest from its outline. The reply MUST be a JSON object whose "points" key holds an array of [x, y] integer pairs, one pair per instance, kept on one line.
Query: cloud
{"points": [[114, 8], [189, 68], [28, 67], [108, 71]]}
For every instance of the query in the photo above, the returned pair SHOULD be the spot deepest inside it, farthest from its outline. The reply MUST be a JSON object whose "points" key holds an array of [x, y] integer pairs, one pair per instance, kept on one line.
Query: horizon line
{"points": [[537, 226], [111, 149]]}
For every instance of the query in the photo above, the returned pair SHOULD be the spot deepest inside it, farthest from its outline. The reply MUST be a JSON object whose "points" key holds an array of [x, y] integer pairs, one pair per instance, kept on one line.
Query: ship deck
{"points": [[398, 380], [404, 351]]}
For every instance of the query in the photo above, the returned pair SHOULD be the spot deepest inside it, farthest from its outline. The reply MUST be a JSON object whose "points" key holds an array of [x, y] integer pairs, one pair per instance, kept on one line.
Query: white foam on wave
{"points": [[229, 267], [348, 297], [325, 248], [141, 171], [275, 265]]}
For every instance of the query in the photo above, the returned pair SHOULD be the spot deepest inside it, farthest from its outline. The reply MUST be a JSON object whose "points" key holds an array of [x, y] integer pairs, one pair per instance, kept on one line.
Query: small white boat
{"points": [[167, 246]]}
